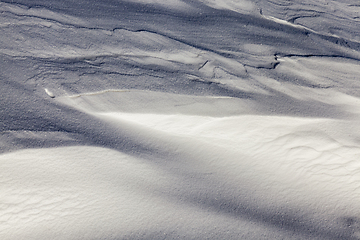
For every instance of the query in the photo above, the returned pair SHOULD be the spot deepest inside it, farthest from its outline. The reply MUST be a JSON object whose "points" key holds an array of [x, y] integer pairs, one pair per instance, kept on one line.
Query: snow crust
{"points": [[208, 119]]}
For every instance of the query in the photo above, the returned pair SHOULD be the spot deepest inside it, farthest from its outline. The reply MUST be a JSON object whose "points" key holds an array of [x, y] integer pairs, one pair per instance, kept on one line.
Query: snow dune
{"points": [[182, 119]]}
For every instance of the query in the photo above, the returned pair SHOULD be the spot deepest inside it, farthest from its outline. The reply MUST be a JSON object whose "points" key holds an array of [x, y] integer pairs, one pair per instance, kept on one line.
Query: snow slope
{"points": [[208, 119]]}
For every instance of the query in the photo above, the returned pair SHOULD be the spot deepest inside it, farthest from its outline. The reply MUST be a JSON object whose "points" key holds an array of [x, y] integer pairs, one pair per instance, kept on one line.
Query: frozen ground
{"points": [[179, 119]]}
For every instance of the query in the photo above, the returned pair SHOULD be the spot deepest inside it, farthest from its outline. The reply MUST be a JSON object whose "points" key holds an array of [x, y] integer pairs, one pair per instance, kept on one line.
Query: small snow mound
{"points": [[48, 92]]}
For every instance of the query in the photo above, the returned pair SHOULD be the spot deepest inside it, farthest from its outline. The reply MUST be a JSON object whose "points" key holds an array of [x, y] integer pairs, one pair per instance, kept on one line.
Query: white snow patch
{"points": [[242, 6]]}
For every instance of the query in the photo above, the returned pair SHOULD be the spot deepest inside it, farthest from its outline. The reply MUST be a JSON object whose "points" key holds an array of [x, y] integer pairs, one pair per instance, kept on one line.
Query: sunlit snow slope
{"points": [[179, 119]]}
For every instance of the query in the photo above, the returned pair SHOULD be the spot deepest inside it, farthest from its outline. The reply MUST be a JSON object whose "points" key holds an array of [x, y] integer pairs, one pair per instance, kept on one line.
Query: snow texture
{"points": [[179, 119]]}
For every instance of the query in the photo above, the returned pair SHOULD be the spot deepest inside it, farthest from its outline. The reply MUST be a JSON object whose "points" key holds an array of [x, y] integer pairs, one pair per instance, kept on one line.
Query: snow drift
{"points": [[180, 119]]}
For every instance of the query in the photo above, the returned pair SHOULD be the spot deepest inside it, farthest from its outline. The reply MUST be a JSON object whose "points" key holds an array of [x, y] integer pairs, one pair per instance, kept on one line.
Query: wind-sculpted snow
{"points": [[208, 119]]}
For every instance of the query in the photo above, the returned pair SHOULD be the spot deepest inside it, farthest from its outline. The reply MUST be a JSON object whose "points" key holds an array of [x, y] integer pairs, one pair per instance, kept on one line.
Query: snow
{"points": [[145, 119]]}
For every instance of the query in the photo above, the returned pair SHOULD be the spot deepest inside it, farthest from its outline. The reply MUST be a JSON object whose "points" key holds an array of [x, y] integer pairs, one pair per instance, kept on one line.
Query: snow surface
{"points": [[179, 119]]}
